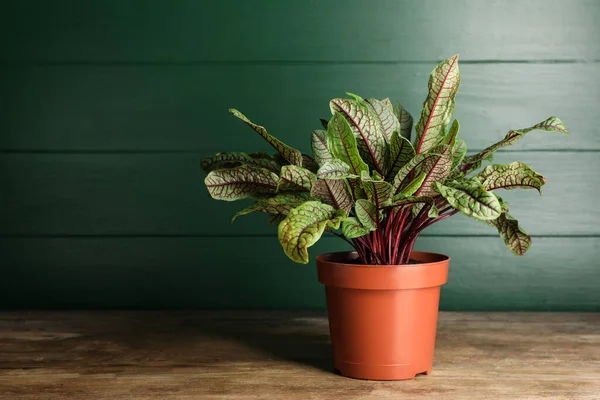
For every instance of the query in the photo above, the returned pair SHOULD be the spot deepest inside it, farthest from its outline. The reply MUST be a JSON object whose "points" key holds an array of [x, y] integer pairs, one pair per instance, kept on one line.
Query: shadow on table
{"points": [[302, 340], [188, 338]]}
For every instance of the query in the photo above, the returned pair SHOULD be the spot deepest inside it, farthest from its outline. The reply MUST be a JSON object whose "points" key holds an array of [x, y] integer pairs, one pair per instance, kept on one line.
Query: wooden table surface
{"points": [[285, 355]]}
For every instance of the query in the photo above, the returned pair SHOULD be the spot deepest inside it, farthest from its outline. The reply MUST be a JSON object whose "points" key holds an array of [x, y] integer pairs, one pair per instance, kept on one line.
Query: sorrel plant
{"points": [[367, 183]]}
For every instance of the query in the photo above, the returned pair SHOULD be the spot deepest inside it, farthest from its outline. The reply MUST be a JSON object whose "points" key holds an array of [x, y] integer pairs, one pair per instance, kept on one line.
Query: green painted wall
{"points": [[107, 106]]}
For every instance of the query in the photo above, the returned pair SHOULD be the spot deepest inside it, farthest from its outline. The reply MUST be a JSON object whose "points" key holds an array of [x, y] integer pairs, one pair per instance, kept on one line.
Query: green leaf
{"points": [[304, 226], [342, 144], [334, 169], [402, 178], [384, 111], [293, 177], [256, 207], [403, 201], [471, 199], [365, 126], [450, 138], [436, 169], [292, 155], [458, 153], [280, 204], [319, 147], [377, 190], [356, 188], [433, 211], [472, 162], [275, 219], [355, 96], [309, 163], [231, 160], [334, 192], [503, 204], [414, 185], [240, 182], [401, 152], [513, 235], [405, 119], [352, 228], [366, 213], [438, 106], [510, 176]]}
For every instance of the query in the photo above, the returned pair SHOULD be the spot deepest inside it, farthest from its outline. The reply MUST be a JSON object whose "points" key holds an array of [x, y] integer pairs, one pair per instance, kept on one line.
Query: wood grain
{"points": [[557, 274], [203, 355], [217, 30], [184, 107], [154, 194]]}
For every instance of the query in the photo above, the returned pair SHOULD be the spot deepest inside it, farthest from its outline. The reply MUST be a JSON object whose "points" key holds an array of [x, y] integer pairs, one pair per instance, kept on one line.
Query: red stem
{"points": [[441, 217], [393, 240], [389, 234], [399, 234], [377, 239], [411, 235]]}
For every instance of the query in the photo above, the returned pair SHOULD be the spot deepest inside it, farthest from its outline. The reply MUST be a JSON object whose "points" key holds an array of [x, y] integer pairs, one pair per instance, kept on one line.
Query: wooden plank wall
{"points": [[106, 106]]}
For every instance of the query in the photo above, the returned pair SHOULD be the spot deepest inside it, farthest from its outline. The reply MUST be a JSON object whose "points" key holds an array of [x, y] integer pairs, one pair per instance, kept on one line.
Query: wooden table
{"points": [[285, 355]]}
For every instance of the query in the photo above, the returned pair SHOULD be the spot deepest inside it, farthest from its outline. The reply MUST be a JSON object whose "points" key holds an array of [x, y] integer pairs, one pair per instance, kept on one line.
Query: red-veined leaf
{"points": [[334, 192], [240, 182], [384, 111], [352, 228], [436, 169], [292, 155], [280, 204], [403, 177], [438, 106], [452, 134], [513, 235], [342, 144], [334, 169], [304, 226], [366, 213], [405, 119], [472, 162], [510, 176], [471, 199], [401, 152], [231, 160], [364, 124], [319, 147], [377, 190], [296, 178]]}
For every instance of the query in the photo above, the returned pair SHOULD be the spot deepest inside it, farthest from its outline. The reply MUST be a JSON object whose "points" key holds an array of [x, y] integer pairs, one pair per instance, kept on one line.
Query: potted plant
{"points": [[368, 184]]}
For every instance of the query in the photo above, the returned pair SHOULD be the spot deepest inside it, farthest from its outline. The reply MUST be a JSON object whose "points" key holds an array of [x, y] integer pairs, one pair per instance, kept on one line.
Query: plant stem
{"points": [[399, 234], [441, 217], [411, 235], [389, 235], [391, 243], [377, 232], [360, 248], [340, 236]]}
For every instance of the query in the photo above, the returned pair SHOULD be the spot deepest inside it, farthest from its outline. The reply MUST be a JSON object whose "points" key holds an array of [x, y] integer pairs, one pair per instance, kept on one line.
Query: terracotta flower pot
{"points": [[382, 319]]}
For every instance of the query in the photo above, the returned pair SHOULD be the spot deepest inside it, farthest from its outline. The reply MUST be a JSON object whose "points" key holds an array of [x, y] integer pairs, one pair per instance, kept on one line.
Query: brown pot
{"points": [[382, 319]]}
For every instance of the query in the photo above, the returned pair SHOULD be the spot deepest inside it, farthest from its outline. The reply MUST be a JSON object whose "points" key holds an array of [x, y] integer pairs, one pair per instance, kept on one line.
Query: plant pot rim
{"points": [[342, 258], [335, 271]]}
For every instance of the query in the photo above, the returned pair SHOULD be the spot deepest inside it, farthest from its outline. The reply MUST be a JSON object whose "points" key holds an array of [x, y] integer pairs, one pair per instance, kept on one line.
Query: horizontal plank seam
{"points": [[202, 152], [151, 63], [225, 236]]}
